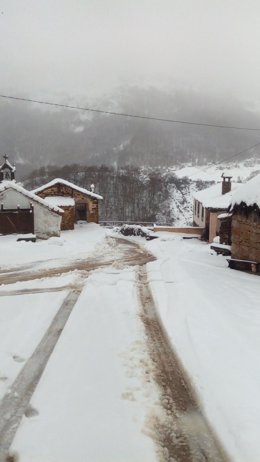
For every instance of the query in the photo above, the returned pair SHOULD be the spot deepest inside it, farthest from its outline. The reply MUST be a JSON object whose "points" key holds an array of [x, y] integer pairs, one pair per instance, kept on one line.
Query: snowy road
{"points": [[16, 402], [104, 370]]}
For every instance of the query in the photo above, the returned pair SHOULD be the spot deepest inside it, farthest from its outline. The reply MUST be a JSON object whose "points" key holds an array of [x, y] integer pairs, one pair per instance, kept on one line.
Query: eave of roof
{"points": [[66, 183], [5, 164], [5, 185]]}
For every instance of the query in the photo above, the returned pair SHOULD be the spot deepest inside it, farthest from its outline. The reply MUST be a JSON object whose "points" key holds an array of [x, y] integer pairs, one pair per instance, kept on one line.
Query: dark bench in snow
{"points": [[26, 237], [221, 249], [244, 265]]}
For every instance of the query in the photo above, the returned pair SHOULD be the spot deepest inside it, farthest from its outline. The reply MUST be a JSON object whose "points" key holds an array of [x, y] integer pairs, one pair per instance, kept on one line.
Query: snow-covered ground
{"points": [[93, 399], [212, 316], [23, 322], [69, 246], [242, 170]]}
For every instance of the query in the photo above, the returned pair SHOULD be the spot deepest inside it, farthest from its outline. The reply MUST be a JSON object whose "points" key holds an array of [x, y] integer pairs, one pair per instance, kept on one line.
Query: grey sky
{"points": [[88, 46]]}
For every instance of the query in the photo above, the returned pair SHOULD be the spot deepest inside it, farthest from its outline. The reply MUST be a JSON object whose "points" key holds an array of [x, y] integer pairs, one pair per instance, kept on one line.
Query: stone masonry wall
{"points": [[68, 218], [246, 236], [63, 190]]}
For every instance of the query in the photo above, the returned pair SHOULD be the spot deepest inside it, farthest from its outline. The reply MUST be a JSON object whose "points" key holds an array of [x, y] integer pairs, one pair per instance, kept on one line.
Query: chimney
{"points": [[226, 183], [92, 187]]}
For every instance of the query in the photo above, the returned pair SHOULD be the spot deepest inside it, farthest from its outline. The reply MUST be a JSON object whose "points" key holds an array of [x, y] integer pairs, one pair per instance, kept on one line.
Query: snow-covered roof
{"points": [[224, 215], [60, 201], [12, 185], [249, 193], [6, 163], [67, 183], [212, 197]]}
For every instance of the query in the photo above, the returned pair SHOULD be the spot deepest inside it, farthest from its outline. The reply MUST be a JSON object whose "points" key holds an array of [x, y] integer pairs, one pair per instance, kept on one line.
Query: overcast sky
{"points": [[88, 46]]}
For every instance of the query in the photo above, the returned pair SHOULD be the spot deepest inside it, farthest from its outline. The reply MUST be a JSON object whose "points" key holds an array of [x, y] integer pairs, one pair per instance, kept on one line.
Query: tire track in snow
{"points": [[119, 251], [181, 432], [16, 401]]}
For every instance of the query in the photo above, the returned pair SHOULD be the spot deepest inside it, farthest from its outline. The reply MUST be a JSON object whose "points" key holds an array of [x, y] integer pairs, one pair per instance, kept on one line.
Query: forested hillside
{"points": [[130, 193]]}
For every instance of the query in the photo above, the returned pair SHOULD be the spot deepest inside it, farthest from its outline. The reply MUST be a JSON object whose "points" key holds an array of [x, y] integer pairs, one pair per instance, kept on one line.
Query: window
{"points": [[202, 213]]}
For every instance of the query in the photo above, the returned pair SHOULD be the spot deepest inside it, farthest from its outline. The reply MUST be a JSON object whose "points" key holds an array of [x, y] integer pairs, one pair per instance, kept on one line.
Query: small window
{"points": [[202, 213], [198, 210]]}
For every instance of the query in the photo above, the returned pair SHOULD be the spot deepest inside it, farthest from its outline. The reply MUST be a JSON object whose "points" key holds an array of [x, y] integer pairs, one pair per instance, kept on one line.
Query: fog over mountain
{"points": [[34, 136], [177, 59]]}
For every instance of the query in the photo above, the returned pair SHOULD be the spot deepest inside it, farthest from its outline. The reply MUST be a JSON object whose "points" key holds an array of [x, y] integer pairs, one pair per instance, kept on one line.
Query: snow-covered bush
{"points": [[136, 230]]}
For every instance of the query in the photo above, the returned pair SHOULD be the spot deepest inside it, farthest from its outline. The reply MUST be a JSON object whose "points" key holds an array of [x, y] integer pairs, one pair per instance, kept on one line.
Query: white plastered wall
{"points": [[46, 222], [198, 219], [11, 199]]}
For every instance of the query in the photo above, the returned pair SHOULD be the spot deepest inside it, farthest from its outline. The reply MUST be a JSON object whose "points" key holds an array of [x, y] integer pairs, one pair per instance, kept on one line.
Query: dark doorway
{"points": [[81, 211]]}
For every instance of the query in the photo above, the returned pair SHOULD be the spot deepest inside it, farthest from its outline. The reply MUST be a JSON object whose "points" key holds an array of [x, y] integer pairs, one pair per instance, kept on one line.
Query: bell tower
{"points": [[7, 170]]}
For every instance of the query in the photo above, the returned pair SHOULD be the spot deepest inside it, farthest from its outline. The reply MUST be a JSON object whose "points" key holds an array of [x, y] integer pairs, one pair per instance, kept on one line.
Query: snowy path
{"points": [[15, 403], [212, 316], [182, 430], [104, 371]]}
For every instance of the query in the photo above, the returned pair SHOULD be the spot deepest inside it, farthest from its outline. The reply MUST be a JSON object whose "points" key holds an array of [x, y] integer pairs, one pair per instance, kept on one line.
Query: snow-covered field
{"points": [[93, 400], [241, 170]]}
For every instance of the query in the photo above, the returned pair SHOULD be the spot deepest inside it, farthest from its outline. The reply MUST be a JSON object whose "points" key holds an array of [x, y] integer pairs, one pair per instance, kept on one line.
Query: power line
{"points": [[123, 114], [227, 158], [238, 153]]}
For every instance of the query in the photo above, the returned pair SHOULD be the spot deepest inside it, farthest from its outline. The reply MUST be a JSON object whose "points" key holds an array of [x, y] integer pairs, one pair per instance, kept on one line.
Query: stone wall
{"points": [[196, 230], [246, 236], [68, 218], [63, 190]]}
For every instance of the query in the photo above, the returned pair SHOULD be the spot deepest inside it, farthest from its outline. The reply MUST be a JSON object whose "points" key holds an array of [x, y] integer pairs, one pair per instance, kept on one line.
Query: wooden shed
{"points": [[79, 204]]}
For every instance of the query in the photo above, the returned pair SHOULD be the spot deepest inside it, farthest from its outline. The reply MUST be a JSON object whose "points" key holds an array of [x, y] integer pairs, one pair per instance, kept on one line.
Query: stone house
{"points": [[245, 229], [22, 212], [211, 202], [79, 204]]}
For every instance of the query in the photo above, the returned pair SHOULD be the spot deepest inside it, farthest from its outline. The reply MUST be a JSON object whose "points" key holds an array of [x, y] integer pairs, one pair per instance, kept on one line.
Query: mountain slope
{"points": [[35, 136]]}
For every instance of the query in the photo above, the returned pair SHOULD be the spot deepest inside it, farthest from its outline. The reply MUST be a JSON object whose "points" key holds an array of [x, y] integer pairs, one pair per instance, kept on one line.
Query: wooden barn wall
{"points": [[17, 221], [246, 236]]}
